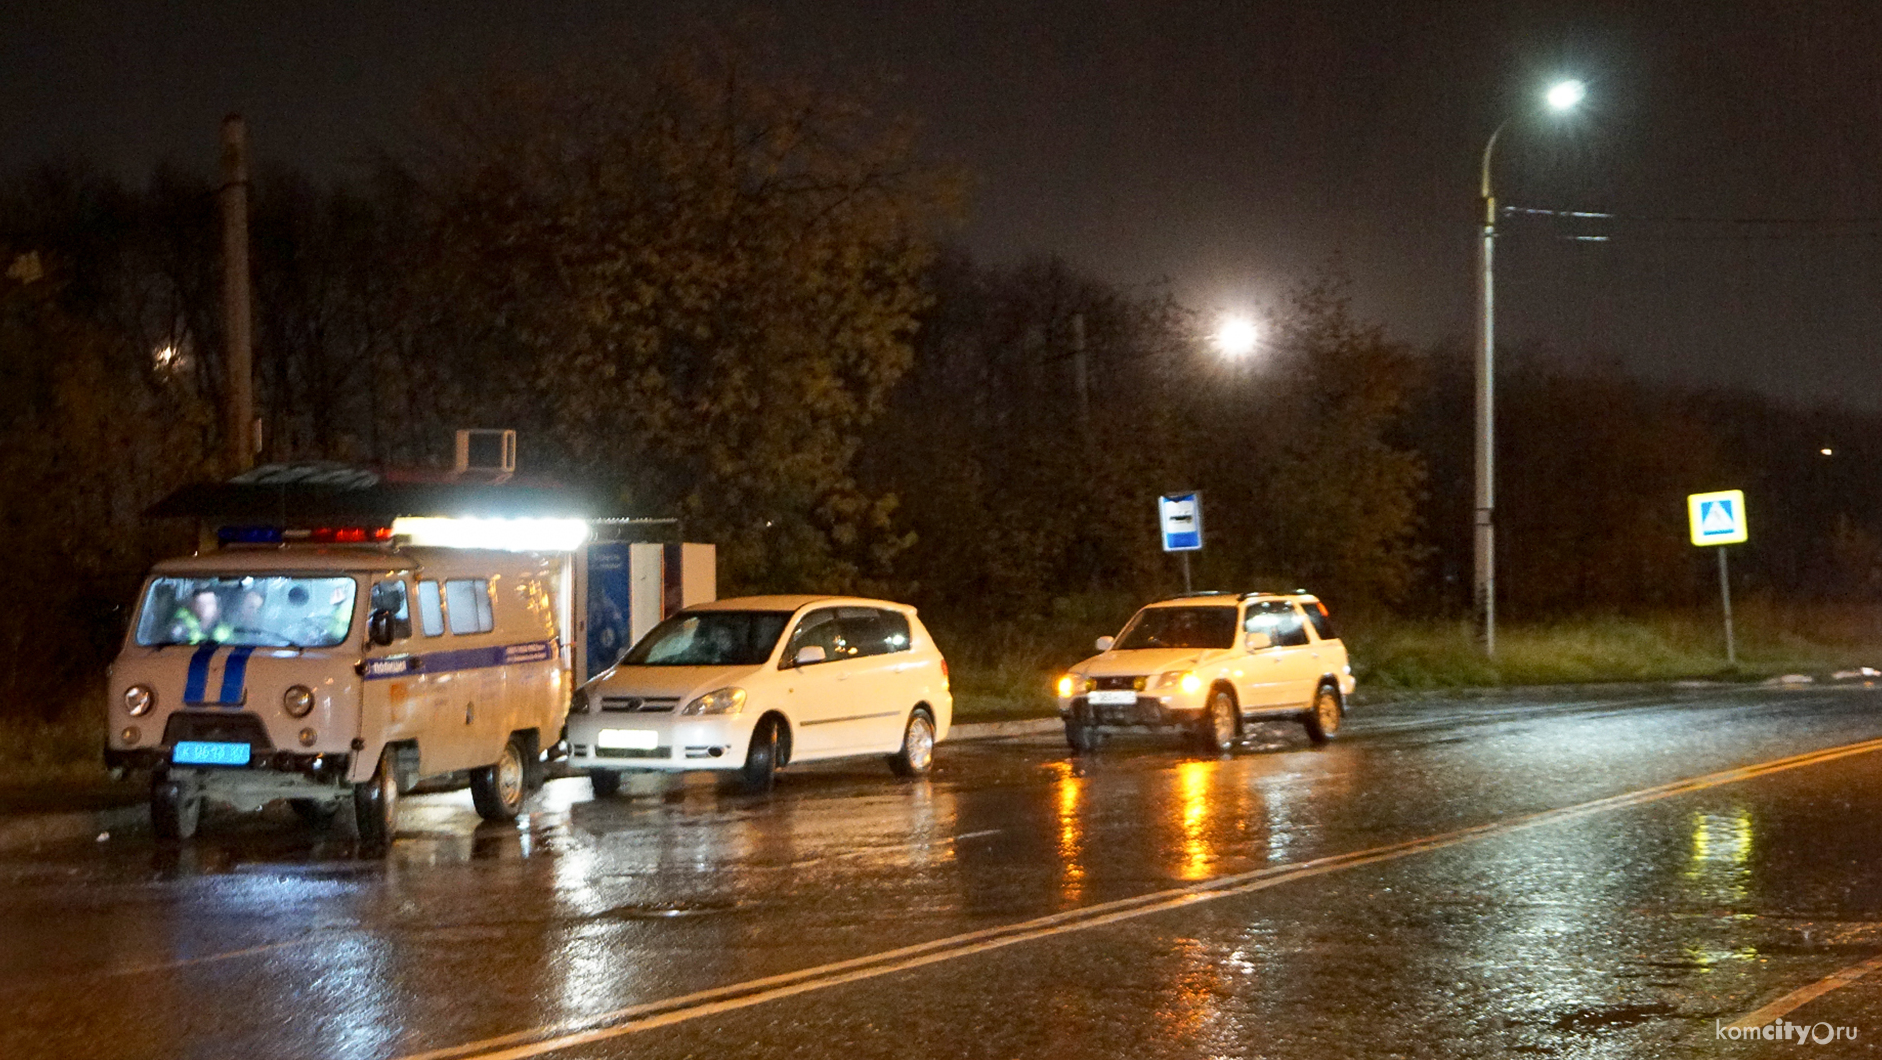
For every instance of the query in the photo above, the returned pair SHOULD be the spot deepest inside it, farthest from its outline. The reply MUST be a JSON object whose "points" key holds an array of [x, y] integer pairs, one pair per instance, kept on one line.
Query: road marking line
{"points": [[633, 1019], [1804, 995]]}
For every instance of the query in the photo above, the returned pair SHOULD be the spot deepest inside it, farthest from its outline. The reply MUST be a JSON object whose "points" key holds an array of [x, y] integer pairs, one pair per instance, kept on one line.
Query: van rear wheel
{"points": [[176, 808], [316, 812], [498, 789]]}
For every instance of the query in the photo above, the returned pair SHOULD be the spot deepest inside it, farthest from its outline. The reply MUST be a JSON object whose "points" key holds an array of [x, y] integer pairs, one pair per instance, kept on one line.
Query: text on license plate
{"points": [[210, 753], [1119, 696], [627, 739]]}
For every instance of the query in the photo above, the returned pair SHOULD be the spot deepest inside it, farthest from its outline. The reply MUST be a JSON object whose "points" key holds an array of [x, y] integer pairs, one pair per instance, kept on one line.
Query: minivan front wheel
{"points": [[760, 771], [916, 757]]}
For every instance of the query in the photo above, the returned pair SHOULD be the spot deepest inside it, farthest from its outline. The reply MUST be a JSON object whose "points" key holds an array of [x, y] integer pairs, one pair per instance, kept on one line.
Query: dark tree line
{"points": [[700, 288]]}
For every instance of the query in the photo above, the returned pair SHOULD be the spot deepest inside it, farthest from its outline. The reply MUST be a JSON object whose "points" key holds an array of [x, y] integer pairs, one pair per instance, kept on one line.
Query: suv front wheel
{"points": [[1216, 729]]}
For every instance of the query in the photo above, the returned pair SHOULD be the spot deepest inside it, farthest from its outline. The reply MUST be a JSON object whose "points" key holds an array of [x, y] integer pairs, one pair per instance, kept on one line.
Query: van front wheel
{"points": [[176, 808], [498, 789], [376, 802]]}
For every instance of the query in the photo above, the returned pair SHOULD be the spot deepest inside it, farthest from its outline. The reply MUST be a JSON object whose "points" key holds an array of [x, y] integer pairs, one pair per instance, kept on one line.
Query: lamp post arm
{"points": [[1489, 149]]}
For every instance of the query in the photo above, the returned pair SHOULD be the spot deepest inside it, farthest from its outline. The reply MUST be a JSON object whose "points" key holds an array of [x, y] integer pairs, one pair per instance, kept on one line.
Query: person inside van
{"points": [[200, 620]]}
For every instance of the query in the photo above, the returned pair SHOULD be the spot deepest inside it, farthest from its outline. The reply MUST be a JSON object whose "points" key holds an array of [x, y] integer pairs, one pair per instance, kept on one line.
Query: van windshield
{"points": [[252, 611], [710, 638]]}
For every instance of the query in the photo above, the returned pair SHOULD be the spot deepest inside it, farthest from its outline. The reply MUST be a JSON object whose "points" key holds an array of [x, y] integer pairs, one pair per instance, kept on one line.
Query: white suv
{"points": [[753, 684], [1205, 664]]}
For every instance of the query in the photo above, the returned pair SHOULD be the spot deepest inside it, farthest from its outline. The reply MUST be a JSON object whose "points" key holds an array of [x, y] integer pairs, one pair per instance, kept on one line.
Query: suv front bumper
{"points": [[1148, 712]]}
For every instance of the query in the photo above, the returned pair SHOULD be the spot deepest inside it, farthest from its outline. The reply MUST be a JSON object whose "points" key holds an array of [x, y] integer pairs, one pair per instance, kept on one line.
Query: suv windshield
{"points": [[1179, 627], [257, 611], [710, 638]]}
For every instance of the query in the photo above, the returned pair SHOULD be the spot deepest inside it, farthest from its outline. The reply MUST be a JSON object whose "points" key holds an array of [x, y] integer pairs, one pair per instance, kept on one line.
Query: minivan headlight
{"points": [[718, 701], [578, 701], [138, 699]]}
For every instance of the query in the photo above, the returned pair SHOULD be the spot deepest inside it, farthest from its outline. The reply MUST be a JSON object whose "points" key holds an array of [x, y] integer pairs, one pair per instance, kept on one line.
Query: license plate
{"points": [[1111, 696], [628, 739], [208, 753]]}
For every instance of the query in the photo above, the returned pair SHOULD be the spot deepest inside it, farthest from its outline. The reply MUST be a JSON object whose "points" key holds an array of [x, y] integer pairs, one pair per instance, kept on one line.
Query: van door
{"points": [[475, 707]]}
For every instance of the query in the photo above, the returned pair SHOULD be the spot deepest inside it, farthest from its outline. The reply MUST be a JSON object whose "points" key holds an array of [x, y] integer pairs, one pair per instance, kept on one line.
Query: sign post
{"points": [[1180, 515], [1718, 520]]}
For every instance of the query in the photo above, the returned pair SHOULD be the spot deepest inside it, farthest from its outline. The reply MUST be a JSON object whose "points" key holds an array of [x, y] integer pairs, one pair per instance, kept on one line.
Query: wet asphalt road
{"points": [[1445, 880]]}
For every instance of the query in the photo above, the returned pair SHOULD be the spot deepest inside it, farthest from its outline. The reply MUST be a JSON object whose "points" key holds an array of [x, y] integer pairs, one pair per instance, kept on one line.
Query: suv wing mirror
{"points": [[1104, 643], [809, 653], [1259, 640]]}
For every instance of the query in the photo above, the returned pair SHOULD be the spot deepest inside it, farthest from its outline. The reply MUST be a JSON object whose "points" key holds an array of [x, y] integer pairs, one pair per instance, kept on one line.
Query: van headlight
{"points": [[298, 701], [718, 701], [138, 699]]}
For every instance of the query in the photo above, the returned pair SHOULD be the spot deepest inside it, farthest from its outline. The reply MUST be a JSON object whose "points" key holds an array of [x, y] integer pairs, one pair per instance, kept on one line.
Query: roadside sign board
{"points": [[1181, 517], [1717, 518]]}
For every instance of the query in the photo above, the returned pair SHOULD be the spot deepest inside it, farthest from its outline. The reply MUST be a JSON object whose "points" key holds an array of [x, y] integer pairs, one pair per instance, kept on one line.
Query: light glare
{"points": [[1566, 95], [510, 535], [1236, 336]]}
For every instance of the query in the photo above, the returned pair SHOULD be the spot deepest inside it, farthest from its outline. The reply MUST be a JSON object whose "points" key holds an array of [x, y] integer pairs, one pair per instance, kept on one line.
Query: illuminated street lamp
{"points": [[1563, 96], [1235, 337]]}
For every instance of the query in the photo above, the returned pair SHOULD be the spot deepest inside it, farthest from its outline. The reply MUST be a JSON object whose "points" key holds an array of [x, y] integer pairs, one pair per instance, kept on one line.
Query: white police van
{"points": [[336, 672]]}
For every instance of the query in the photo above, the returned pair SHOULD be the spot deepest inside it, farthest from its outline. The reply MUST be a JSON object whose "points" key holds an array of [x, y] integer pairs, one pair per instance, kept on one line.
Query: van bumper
{"points": [[327, 768]]}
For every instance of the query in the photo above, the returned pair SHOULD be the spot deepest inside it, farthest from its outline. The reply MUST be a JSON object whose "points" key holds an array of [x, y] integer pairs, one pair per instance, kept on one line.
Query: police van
{"points": [[336, 671]]}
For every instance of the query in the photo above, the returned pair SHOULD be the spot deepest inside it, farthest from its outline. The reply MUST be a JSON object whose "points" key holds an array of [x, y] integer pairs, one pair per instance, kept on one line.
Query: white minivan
{"points": [[338, 675], [753, 684]]}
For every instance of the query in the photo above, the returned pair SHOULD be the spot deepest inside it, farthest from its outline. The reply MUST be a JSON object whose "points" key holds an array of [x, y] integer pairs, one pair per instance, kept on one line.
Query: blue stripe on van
{"points": [[198, 679], [234, 675], [444, 662]]}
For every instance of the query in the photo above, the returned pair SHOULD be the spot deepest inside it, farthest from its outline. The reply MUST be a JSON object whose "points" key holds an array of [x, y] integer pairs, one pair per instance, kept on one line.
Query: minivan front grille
{"points": [[640, 704]]}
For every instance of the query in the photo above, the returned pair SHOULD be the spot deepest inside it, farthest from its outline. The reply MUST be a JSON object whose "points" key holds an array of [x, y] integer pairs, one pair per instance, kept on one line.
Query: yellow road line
{"points": [[1803, 995], [650, 1015]]}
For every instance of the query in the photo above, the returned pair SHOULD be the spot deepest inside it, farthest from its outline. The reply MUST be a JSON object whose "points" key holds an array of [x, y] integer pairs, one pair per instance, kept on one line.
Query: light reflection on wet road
{"points": [[1625, 932]]}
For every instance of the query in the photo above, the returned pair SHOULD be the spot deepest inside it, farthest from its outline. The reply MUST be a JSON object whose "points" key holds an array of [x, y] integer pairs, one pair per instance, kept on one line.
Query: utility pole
{"points": [[1081, 377], [239, 425]]}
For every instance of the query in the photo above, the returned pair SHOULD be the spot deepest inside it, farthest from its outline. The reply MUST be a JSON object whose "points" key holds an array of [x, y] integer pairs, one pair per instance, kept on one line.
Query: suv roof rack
{"points": [[1204, 592]]}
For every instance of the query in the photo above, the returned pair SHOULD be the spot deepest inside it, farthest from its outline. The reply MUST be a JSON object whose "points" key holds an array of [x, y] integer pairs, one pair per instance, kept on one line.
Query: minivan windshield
{"points": [[710, 638], [1179, 627], [281, 611]]}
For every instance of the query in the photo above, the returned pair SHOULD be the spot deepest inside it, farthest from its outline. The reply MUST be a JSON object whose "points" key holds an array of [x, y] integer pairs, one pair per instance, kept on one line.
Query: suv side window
{"points": [[1322, 622], [1279, 619], [820, 629]]}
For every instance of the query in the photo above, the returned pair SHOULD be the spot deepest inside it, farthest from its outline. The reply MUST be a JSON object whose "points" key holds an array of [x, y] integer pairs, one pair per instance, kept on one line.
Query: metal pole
{"points": [[239, 425], [1725, 596], [1484, 542], [1186, 587], [1080, 377]]}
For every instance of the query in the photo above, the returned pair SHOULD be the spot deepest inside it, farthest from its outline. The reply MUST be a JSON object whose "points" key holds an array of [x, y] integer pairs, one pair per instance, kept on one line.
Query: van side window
{"points": [[467, 604], [430, 609], [389, 596]]}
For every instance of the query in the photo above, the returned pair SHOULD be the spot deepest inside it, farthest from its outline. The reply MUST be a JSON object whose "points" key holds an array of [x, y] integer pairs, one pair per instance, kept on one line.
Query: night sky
{"points": [[1229, 149]]}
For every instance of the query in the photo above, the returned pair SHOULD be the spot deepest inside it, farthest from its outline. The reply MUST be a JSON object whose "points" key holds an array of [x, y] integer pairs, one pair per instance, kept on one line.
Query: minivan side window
{"points": [[430, 609], [869, 631], [467, 605], [819, 629], [389, 596]]}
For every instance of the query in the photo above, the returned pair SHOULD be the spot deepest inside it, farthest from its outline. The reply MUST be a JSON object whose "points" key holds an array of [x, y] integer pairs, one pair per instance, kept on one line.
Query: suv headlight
{"points": [[1183, 679], [578, 701], [1074, 685], [138, 699], [718, 701]]}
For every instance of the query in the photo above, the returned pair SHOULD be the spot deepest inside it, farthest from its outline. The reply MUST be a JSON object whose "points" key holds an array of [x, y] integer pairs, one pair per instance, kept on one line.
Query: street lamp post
{"points": [[1562, 96]]}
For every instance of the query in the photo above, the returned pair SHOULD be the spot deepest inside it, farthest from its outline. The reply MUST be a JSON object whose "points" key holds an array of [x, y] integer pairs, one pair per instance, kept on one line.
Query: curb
{"points": [[994, 730]]}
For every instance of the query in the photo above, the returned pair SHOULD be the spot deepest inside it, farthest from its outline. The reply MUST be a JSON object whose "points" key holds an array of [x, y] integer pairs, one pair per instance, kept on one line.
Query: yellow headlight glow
{"points": [[1190, 684]]}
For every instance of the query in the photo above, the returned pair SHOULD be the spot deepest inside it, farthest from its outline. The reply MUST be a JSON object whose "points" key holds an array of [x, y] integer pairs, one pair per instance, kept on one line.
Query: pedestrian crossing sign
{"points": [[1717, 518]]}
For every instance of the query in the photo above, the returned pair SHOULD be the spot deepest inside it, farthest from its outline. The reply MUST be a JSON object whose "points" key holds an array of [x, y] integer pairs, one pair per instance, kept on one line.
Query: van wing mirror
{"points": [[379, 627], [809, 653], [1259, 640], [1104, 643]]}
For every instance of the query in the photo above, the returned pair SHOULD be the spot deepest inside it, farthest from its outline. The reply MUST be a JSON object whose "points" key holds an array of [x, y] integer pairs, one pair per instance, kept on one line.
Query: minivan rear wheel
{"points": [[605, 782], [917, 754]]}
